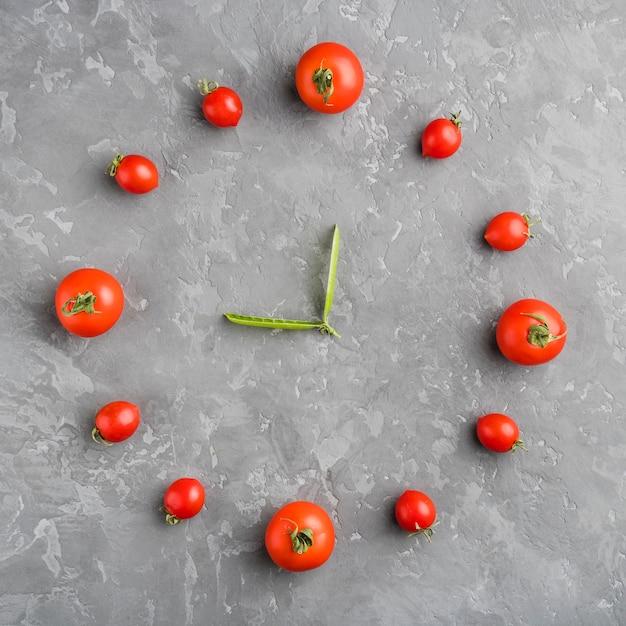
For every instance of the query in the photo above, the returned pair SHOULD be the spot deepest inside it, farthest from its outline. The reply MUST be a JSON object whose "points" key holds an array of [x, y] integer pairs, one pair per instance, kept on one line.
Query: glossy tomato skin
{"points": [[183, 499], [508, 231], [85, 286], [116, 421], [442, 137], [498, 433], [347, 77], [416, 512], [518, 325], [297, 517], [137, 174], [222, 107]]}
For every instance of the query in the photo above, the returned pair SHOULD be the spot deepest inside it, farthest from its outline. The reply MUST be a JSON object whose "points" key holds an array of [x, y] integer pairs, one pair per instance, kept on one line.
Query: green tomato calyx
{"points": [[427, 532], [323, 79], [82, 303], [98, 438], [301, 540], [111, 168], [518, 444], [455, 118], [207, 86], [527, 219], [172, 520], [539, 334]]}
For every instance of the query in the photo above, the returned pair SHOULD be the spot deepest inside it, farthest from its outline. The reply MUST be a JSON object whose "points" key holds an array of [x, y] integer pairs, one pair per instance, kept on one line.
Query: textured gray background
{"points": [[242, 221]]}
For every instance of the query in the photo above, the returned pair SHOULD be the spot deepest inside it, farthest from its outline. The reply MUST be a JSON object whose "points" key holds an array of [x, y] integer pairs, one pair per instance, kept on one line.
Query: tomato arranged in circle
{"points": [[498, 433], [115, 422], [509, 231], [531, 332], [221, 106], [416, 513], [300, 536], [442, 137], [183, 499], [89, 302], [329, 77], [134, 173]]}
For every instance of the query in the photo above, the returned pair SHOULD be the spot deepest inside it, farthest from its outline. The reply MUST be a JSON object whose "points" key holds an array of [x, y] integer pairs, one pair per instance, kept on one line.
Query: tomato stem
{"points": [[539, 334], [456, 119], [527, 218], [518, 444], [301, 540], [98, 438], [323, 79], [111, 168], [82, 303], [427, 532], [206, 86], [172, 520]]}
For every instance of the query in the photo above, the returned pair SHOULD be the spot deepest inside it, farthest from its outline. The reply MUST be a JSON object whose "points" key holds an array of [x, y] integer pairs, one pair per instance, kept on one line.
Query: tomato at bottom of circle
{"points": [[183, 499], [300, 536], [416, 513]]}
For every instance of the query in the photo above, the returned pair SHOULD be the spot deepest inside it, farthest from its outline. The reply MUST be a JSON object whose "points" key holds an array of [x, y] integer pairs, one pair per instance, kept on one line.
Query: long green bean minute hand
{"points": [[322, 326]]}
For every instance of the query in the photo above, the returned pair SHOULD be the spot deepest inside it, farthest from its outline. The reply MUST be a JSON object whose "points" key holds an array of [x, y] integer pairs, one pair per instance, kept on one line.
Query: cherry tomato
{"points": [[183, 499], [134, 173], [416, 513], [531, 332], [498, 433], [300, 536], [509, 231], [221, 105], [442, 137], [329, 77], [115, 422], [88, 302]]}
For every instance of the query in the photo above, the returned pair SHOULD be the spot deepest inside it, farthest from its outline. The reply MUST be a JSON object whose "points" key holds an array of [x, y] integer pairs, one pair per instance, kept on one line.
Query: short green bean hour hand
{"points": [[322, 326]]}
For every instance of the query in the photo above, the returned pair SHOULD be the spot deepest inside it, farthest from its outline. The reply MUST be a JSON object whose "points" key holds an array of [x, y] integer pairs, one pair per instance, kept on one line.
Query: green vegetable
{"points": [[323, 326]]}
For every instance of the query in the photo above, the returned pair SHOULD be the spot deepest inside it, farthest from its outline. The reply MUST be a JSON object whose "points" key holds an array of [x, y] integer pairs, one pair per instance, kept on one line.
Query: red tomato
{"points": [[498, 433], [531, 332], [134, 173], [442, 137], [221, 105], [416, 513], [183, 499], [115, 422], [509, 231], [88, 302], [329, 77], [300, 536]]}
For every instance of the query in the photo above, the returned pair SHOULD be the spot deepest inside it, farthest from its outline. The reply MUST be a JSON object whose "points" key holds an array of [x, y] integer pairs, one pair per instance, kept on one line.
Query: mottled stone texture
{"points": [[242, 221]]}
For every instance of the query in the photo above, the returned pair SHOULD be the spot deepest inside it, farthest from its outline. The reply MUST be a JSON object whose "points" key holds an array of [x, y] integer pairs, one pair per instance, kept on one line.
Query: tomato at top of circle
{"points": [[416, 513], [499, 433], [530, 332], [115, 422], [134, 173], [442, 137], [221, 106], [509, 230], [329, 77], [89, 302], [183, 499]]}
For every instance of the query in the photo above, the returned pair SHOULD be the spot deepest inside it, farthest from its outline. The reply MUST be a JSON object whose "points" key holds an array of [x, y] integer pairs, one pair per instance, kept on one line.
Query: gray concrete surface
{"points": [[242, 222]]}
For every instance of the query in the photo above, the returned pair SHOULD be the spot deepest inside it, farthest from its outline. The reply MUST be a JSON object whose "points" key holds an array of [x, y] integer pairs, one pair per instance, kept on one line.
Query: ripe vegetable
{"points": [[221, 106], [416, 513], [300, 536], [498, 433], [442, 137], [115, 422], [134, 173], [88, 302], [183, 499], [509, 231], [531, 332], [329, 77]]}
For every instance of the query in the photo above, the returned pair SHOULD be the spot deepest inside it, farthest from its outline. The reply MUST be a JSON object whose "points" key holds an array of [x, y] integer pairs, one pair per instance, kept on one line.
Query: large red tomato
{"points": [[531, 332], [88, 302], [329, 77], [300, 536]]}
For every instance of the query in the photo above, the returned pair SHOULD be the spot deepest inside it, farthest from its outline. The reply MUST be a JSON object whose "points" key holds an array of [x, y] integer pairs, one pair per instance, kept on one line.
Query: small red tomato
{"points": [[183, 499], [115, 422], [498, 433], [221, 105], [509, 231], [134, 173], [300, 536], [416, 513], [329, 77], [88, 302], [531, 332], [442, 137]]}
